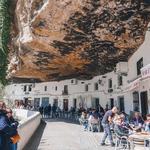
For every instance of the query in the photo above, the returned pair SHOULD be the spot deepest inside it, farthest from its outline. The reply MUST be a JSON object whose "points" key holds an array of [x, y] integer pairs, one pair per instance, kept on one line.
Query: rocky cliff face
{"points": [[58, 39]]}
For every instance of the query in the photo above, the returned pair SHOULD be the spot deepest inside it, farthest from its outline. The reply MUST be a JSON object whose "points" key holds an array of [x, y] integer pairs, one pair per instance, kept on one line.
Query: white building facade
{"points": [[128, 87]]}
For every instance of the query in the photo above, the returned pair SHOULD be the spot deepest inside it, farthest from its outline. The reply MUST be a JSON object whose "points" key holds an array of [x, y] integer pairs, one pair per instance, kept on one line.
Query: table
{"points": [[138, 138]]}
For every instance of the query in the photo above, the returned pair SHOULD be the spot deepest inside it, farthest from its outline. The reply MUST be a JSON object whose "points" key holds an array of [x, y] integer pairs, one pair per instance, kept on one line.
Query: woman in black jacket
{"points": [[6, 131], [13, 124]]}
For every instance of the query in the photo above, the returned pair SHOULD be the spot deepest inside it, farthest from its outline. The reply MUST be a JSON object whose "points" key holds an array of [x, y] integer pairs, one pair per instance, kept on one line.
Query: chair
{"points": [[121, 142], [147, 144], [94, 125]]}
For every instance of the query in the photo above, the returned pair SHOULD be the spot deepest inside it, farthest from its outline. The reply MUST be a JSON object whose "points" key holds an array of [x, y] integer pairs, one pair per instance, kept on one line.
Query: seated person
{"points": [[126, 117], [137, 121], [147, 123], [94, 121], [83, 120], [120, 128]]}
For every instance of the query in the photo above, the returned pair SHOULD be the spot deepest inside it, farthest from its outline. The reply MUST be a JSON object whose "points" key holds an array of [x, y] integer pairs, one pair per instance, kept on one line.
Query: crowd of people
{"points": [[49, 111], [20, 104], [113, 121], [8, 129], [95, 120]]}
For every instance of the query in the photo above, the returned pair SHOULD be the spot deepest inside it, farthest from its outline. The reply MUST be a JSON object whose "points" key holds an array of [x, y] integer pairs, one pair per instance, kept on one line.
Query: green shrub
{"points": [[4, 38]]}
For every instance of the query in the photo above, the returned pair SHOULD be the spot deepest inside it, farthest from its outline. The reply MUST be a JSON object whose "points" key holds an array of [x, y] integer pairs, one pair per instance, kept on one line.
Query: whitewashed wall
{"points": [[15, 91], [28, 125]]}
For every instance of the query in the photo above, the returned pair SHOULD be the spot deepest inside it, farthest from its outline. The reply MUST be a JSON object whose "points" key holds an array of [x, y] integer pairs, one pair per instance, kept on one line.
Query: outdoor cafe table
{"points": [[138, 139]]}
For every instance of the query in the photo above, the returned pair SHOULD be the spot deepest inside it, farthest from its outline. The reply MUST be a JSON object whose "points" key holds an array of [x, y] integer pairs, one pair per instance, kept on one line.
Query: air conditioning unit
{"points": [[74, 81], [110, 90]]}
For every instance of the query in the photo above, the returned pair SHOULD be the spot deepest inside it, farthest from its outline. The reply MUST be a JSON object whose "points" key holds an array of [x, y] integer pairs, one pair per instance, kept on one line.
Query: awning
{"points": [[145, 73], [133, 85]]}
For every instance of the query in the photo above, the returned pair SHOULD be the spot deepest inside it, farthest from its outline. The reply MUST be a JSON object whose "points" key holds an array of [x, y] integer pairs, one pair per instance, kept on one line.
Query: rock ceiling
{"points": [[59, 39]]}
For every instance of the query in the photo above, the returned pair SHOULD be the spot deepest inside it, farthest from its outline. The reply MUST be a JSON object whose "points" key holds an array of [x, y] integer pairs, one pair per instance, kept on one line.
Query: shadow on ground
{"points": [[36, 138]]}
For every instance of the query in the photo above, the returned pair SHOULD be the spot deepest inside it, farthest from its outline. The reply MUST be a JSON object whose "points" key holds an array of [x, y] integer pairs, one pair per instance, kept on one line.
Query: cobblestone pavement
{"points": [[66, 136]]}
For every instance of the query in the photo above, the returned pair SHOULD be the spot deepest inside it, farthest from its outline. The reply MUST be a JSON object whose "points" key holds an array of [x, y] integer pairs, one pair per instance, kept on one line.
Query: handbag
{"points": [[15, 138]]}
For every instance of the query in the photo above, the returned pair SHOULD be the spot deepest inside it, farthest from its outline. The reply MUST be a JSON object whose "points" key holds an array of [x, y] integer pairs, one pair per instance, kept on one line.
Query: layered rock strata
{"points": [[59, 39]]}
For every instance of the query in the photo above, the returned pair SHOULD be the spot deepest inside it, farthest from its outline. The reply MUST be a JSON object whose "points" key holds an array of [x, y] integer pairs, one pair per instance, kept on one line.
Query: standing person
{"points": [[106, 122], [45, 111], [49, 110], [6, 131], [54, 111], [41, 110], [14, 124]]}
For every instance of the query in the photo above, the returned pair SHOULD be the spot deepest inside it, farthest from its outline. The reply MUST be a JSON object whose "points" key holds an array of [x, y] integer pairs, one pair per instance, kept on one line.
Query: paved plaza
{"points": [[61, 135]]}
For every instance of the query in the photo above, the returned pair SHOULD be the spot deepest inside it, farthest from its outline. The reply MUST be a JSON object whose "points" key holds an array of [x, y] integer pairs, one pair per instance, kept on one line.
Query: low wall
{"points": [[28, 125]]}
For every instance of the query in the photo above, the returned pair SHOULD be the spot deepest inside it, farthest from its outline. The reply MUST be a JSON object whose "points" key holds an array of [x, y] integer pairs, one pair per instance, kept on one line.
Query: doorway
{"points": [[111, 103], [121, 103], [65, 104], [45, 101], [144, 103], [95, 103], [136, 101], [55, 102], [75, 103]]}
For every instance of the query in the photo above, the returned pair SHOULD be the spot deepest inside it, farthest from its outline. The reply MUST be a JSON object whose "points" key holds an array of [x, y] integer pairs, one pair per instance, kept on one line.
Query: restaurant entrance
{"points": [[144, 104]]}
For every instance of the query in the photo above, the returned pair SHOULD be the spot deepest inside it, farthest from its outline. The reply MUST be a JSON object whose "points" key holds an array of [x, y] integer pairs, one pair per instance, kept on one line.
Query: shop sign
{"points": [[145, 71]]}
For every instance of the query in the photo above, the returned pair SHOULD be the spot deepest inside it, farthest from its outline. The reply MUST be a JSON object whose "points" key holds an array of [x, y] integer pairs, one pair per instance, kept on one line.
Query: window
{"points": [[25, 88], [96, 86], [139, 65], [110, 83], [30, 88], [65, 89], [55, 88], [45, 88], [120, 81], [86, 87]]}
